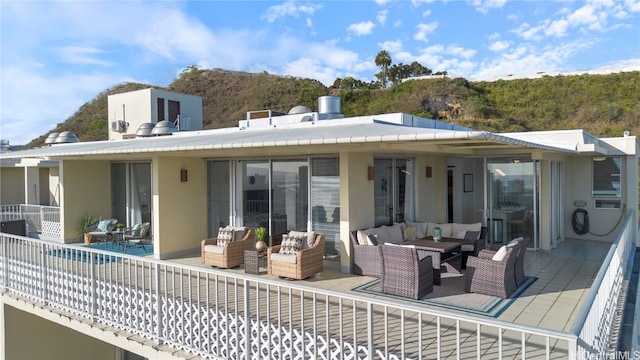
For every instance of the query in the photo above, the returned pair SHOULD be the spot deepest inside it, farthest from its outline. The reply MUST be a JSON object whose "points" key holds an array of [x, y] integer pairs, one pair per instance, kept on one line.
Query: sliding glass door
{"points": [[131, 192], [219, 199], [513, 199], [393, 190]]}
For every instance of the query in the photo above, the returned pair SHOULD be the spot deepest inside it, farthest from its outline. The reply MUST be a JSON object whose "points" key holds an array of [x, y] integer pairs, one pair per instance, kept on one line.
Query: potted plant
{"points": [[86, 222], [261, 235]]}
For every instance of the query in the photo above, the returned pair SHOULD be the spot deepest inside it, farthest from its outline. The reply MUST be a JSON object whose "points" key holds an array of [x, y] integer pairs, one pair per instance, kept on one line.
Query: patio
{"points": [[227, 313], [563, 278]]}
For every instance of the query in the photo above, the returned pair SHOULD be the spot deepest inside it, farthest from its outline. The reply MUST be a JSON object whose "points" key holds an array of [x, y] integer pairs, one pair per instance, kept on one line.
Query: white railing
{"points": [[42, 220], [218, 314], [595, 320]]}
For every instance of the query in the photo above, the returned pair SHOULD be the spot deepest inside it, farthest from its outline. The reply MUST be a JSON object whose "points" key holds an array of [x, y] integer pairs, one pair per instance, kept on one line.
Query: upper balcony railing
{"points": [[43, 221], [219, 314]]}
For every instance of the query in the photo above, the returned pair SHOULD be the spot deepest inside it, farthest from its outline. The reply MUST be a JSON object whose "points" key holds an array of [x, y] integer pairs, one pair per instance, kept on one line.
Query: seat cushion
{"points": [[291, 244], [214, 249], [285, 258], [394, 233]]}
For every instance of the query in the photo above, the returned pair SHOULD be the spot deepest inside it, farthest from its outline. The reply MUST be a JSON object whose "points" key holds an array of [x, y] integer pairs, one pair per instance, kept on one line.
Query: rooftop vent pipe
{"points": [[164, 127], [145, 130], [66, 137]]}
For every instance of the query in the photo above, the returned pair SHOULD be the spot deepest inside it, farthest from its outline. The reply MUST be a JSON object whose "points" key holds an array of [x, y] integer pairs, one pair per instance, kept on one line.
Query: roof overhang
{"points": [[323, 137]]}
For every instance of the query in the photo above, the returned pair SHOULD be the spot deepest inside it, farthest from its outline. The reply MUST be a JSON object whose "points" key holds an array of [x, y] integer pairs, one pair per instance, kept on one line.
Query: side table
{"points": [[254, 260]]}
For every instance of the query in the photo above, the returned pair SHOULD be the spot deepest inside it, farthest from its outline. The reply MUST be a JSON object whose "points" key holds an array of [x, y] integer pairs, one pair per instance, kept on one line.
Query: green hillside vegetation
{"points": [[604, 105]]}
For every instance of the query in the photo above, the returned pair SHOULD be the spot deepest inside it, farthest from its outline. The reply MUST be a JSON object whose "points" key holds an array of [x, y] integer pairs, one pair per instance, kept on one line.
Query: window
{"points": [[160, 115], [607, 174]]}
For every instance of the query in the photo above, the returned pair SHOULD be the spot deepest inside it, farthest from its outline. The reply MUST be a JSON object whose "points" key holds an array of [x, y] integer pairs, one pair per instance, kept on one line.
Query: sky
{"points": [[57, 55]]}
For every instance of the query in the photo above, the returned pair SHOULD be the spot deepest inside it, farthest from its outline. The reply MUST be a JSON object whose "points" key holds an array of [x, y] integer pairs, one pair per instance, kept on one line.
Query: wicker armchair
{"points": [[229, 255], [493, 277], [308, 261], [478, 244], [406, 271], [366, 258], [520, 277]]}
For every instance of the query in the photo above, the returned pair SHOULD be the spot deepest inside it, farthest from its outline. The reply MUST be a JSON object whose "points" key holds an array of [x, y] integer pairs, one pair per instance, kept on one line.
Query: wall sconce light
{"points": [[429, 174], [183, 175], [371, 173]]}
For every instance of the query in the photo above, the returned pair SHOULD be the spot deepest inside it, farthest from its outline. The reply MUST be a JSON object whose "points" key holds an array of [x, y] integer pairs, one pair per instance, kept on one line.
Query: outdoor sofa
{"points": [[366, 252]]}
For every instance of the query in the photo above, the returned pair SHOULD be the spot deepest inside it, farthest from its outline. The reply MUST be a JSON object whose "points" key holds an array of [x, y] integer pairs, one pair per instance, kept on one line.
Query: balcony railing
{"points": [[213, 313], [43, 221]]}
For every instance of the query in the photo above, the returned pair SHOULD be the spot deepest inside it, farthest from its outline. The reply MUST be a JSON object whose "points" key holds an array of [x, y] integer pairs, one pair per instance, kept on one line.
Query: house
{"points": [[318, 170]]}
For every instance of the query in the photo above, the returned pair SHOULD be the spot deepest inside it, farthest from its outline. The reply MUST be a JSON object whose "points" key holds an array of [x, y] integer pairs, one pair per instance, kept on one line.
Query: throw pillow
{"points": [[103, 225], [419, 228], [410, 233], [225, 236], [291, 244], [135, 230], [500, 254], [460, 234]]}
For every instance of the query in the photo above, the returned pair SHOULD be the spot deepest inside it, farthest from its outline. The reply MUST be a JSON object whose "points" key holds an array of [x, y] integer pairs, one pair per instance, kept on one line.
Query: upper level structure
{"points": [[128, 111]]}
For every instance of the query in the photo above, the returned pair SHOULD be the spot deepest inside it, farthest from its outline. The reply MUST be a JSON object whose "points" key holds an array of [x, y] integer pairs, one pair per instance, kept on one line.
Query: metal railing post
{"points": [[158, 304]]}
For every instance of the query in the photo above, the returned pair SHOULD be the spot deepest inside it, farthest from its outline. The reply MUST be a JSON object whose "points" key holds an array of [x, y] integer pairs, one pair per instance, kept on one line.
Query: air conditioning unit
{"points": [[119, 126]]}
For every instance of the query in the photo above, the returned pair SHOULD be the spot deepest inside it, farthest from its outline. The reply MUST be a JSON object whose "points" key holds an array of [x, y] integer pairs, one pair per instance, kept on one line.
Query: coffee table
{"points": [[441, 252]]}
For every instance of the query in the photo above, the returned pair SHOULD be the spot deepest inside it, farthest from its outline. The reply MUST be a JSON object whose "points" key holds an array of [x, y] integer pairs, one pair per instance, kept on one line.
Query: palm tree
{"points": [[383, 60]]}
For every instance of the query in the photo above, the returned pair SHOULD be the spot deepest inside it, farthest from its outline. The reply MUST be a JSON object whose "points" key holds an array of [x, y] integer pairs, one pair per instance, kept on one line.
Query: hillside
{"points": [[604, 105]]}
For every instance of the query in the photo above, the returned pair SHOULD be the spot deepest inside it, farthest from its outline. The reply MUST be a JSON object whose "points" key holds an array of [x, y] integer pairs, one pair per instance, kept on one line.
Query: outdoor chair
{"points": [[366, 258], [519, 269], [473, 249], [227, 250], [103, 230], [406, 271], [138, 235], [493, 272], [297, 261]]}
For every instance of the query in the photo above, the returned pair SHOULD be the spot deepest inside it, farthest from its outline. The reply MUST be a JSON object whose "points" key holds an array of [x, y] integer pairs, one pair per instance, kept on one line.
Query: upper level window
{"points": [[607, 175]]}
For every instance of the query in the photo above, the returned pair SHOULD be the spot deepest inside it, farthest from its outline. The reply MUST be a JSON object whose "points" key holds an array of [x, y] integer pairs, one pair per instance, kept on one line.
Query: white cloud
{"points": [[289, 8], [424, 30], [633, 6], [484, 6], [37, 103], [382, 16], [83, 55], [391, 46], [362, 28], [498, 46], [557, 28]]}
